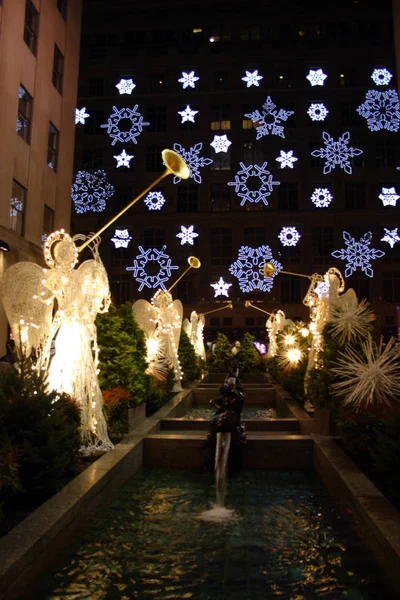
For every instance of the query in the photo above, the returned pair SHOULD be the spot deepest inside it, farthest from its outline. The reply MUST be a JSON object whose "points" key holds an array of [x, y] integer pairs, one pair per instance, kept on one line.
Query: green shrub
{"points": [[189, 364], [115, 406], [222, 356], [248, 358], [10, 482], [160, 392]]}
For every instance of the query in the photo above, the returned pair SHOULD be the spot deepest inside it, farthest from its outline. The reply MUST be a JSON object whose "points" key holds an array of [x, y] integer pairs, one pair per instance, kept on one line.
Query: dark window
{"points": [[96, 86], [348, 114], [357, 161], [290, 290], [250, 321], [62, 7], [185, 292], [221, 80], [120, 288], [254, 236], [31, 28], [157, 84], [322, 244], [220, 34], [290, 254], [157, 117], [17, 208], [316, 161], [153, 238], [247, 123], [52, 147], [154, 161], [220, 197], [188, 125], [92, 158], [58, 69], [386, 155], [354, 194], [25, 104], [288, 196], [360, 284], [48, 221], [187, 198], [214, 321], [221, 161], [220, 117], [391, 286], [227, 322], [221, 246], [253, 154], [250, 33], [94, 122]]}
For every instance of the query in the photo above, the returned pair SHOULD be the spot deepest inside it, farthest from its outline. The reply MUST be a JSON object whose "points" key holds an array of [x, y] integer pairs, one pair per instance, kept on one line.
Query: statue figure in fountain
{"points": [[194, 330]]}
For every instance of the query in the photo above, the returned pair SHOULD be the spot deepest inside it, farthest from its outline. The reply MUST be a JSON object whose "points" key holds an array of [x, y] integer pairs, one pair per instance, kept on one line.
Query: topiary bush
{"points": [[222, 355], [191, 369], [248, 358]]}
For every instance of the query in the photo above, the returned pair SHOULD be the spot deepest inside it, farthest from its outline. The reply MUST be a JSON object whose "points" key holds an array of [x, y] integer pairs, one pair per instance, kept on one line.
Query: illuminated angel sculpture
{"points": [[61, 303], [274, 325], [194, 329], [161, 321]]}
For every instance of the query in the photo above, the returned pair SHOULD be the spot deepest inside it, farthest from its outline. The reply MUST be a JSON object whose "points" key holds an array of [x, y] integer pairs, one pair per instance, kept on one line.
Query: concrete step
{"points": [[254, 395], [182, 424]]}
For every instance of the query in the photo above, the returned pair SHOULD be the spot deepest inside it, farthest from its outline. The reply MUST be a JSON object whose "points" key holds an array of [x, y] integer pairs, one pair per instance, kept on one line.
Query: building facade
{"points": [[306, 139], [39, 62]]}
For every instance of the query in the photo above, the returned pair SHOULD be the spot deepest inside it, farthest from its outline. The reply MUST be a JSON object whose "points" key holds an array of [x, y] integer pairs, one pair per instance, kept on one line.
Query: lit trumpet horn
{"points": [[248, 303], [194, 263], [175, 166], [269, 270], [227, 305]]}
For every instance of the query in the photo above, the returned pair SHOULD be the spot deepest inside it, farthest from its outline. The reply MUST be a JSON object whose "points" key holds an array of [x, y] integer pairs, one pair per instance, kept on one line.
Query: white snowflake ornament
{"points": [[253, 196], [389, 196], [381, 76], [153, 258], [187, 235], [321, 197], [358, 254], [337, 153], [121, 238], [220, 143], [124, 135], [381, 110], [321, 289], [286, 159], [391, 237], [81, 115], [289, 236], [123, 159], [125, 86], [269, 120], [221, 288], [248, 268], [317, 111], [316, 77], [90, 191], [252, 78], [188, 114], [188, 80], [193, 160], [154, 200]]}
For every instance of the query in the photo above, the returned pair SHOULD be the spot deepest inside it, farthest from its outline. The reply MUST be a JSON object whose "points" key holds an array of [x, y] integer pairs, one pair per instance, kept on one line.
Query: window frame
{"points": [[31, 26], [58, 69], [25, 117], [17, 221], [52, 149]]}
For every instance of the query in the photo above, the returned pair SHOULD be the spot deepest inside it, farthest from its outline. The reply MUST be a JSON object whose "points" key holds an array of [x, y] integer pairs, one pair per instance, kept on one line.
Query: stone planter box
{"points": [[136, 415]]}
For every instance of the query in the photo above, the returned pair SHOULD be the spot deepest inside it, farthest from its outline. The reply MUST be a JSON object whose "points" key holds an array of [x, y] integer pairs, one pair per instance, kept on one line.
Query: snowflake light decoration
{"points": [[252, 78], [289, 236], [81, 115], [114, 123], [286, 159], [148, 258], [391, 237], [269, 120], [389, 196], [123, 159], [316, 77], [266, 183], [321, 197], [154, 200], [193, 160], [125, 86], [248, 268], [317, 111], [321, 289], [381, 110], [381, 76], [337, 153], [358, 254], [188, 80], [221, 288], [188, 114], [187, 235], [121, 238], [220, 143], [90, 191]]}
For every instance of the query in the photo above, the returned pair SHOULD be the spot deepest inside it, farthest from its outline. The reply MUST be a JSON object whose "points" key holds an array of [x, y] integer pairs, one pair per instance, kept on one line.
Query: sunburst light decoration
{"points": [[351, 320], [369, 376]]}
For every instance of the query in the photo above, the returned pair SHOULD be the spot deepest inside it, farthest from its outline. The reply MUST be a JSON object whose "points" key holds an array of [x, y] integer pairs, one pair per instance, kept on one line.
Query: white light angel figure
{"points": [[62, 305], [275, 323], [161, 321], [194, 330]]}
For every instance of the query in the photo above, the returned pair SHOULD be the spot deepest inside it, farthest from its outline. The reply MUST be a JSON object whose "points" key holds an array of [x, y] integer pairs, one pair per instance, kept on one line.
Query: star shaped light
{"points": [[81, 115], [389, 196], [391, 237], [252, 78], [187, 114], [286, 159], [187, 235], [221, 288], [188, 80], [123, 159], [125, 86], [121, 238], [220, 143], [316, 77]]}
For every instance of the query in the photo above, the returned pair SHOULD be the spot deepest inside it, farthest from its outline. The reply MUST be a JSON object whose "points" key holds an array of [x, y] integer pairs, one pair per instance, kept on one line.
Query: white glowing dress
{"points": [[274, 324], [161, 322], [194, 329]]}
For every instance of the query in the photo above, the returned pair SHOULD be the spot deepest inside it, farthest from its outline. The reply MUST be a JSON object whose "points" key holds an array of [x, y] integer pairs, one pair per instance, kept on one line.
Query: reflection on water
{"points": [[248, 412], [287, 543]]}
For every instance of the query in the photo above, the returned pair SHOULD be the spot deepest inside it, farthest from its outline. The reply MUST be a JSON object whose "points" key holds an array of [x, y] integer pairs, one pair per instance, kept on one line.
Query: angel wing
{"points": [[93, 284], [187, 327], [178, 315], [29, 313], [146, 317]]}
